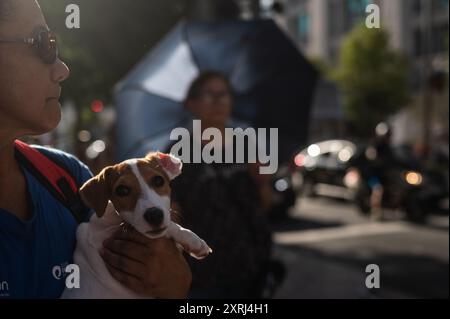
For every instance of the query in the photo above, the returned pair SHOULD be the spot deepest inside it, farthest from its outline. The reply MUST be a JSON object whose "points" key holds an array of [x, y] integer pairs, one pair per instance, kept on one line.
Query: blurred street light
{"points": [[97, 106], [94, 150], [84, 136]]}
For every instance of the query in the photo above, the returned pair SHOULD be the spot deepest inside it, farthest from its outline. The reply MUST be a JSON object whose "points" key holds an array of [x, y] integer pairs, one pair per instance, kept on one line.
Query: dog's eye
{"points": [[157, 181], [122, 191]]}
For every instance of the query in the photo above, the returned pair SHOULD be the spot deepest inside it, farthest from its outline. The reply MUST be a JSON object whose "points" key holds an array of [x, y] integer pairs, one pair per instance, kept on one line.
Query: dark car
{"points": [[323, 169], [409, 185]]}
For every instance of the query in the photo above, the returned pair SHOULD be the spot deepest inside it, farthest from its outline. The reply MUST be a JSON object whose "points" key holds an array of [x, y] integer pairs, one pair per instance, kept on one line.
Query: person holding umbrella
{"points": [[37, 232], [224, 203]]}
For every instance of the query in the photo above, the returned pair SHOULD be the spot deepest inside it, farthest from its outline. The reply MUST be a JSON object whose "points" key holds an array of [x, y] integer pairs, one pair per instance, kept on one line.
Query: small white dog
{"points": [[137, 192]]}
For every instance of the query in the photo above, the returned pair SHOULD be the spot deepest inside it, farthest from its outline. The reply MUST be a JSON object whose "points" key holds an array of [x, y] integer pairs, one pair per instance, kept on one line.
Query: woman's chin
{"points": [[53, 123], [50, 121]]}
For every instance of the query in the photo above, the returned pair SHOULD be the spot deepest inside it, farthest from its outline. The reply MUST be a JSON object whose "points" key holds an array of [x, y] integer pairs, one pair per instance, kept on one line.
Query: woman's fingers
{"points": [[129, 249], [150, 267], [155, 246], [126, 279], [128, 233], [123, 263]]}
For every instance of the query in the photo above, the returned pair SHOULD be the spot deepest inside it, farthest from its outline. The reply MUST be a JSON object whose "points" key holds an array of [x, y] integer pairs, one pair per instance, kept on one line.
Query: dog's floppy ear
{"points": [[172, 165], [96, 192]]}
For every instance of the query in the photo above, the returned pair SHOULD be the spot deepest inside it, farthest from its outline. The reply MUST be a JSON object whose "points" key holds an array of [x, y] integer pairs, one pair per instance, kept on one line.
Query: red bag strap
{"points": [[51, 171]]}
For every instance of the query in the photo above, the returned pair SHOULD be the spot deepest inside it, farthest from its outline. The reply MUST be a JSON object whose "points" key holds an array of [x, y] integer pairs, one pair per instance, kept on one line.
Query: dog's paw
{"points": [[202, 251]]}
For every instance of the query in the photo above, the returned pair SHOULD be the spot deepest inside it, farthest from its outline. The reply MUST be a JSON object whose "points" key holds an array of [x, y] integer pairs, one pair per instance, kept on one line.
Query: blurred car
{"points": [[409, 185], [328, 168], [323, 169]]}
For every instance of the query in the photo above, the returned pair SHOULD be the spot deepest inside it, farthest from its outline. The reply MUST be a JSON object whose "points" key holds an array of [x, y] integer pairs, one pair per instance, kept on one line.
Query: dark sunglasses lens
{"points": [[47, 47]]}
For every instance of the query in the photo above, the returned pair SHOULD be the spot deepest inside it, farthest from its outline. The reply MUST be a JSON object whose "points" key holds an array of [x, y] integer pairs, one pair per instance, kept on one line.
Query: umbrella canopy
{"points": [[272, 82]]}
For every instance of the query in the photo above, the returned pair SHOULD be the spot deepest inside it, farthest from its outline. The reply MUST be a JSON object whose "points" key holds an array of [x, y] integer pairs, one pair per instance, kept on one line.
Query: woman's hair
{"points": [[197, 85]]}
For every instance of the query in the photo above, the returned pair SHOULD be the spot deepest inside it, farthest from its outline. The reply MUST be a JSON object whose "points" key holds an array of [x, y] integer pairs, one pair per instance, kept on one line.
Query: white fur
{"points": [[95, 280]]}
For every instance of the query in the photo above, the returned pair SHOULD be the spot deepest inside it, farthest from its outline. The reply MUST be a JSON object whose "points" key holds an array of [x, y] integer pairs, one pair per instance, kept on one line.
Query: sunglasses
{"points": [[211, 97], [44, 43]]}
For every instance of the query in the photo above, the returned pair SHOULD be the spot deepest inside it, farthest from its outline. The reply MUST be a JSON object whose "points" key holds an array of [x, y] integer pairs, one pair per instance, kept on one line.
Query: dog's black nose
{"points": [[154, 216]]}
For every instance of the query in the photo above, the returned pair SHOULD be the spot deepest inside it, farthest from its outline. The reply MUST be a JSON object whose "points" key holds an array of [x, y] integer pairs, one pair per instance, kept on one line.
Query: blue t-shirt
{"points": [[33, 252]]}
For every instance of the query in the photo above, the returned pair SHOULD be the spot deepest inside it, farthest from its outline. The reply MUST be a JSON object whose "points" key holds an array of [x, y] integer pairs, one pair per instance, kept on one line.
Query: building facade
{"points": [[319, 26], [417, 28]]}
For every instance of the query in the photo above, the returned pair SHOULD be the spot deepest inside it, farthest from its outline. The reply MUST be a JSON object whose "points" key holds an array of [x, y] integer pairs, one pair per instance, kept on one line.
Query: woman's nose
{"points": [[60, 71]]}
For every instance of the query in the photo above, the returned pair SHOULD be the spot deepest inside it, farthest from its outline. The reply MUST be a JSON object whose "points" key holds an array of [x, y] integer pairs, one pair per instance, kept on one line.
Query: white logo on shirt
{"points": [[70, 272], [4, 289]]}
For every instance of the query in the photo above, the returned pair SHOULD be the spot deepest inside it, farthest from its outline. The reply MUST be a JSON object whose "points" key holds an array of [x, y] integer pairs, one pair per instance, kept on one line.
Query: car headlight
{"points": [[351, 179], [413, 178], [299, 160]]}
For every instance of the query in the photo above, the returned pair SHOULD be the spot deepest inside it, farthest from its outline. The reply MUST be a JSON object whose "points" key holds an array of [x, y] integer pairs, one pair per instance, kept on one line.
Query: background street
{"points": [[327, 244]]}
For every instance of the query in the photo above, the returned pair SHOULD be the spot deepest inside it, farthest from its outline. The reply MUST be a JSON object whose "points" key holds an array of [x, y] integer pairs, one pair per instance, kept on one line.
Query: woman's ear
{"points": [[97, 191]]}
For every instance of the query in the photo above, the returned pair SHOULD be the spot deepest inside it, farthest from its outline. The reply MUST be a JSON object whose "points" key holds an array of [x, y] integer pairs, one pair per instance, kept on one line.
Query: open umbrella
{"points": [[273, 82]]}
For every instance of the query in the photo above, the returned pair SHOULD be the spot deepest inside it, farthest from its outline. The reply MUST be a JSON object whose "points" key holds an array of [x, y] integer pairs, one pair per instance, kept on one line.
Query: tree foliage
{"points": [[372, 77], [114, 35]]}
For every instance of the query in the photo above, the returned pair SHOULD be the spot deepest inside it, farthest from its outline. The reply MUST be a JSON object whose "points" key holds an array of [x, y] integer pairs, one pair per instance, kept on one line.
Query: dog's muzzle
{"points": [[154, 216]]}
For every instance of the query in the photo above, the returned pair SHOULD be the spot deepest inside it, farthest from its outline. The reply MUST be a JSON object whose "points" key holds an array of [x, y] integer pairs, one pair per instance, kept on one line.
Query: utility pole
{"points": [[427, 100]]}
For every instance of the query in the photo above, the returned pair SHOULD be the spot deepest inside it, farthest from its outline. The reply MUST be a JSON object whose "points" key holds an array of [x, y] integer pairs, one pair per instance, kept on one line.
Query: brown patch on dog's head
{"points": [[154, 176], [125, 190], [96, 192]]}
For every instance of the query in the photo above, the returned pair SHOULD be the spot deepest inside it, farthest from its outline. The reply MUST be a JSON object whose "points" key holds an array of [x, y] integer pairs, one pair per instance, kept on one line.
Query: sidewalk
{"points": [[310, 276], [331, 262]]}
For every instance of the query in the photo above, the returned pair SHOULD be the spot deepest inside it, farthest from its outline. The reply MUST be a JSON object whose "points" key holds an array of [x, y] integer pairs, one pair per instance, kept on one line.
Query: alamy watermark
{"points": [[373, 279], [373, 17], [70, 273], [4, 289], [73, 18], [212, 152]]}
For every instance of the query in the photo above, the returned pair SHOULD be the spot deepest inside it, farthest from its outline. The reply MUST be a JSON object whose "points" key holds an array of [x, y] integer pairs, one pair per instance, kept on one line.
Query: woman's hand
{"points": [[150, 267]]}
